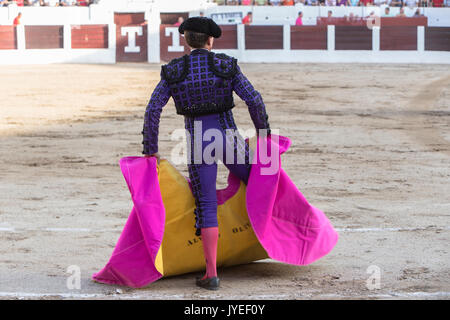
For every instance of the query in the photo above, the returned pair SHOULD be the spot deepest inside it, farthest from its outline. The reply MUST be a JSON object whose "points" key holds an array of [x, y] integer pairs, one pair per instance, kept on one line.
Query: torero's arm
{"points": [[158, 100], [253, 99]]}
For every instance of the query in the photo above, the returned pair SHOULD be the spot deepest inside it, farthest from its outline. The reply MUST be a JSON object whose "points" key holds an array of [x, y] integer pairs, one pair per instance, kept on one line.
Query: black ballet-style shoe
{"points": [[208, 283]]}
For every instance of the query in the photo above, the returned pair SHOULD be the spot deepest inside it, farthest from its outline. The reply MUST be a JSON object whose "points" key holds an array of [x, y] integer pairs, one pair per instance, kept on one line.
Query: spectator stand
{"points": [[99, 34]]}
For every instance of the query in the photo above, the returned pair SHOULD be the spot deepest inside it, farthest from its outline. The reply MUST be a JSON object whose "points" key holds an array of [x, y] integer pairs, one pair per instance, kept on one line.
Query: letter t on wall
{"points": [[131, 31], [175, 47]]}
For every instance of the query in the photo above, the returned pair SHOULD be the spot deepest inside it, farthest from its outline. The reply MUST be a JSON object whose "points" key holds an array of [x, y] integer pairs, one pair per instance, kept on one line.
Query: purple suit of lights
{"points": [[201, 85]]}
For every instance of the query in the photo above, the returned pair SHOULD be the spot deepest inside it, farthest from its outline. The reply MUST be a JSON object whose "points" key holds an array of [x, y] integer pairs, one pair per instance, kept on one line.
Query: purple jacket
{"points": [[200, 83]]}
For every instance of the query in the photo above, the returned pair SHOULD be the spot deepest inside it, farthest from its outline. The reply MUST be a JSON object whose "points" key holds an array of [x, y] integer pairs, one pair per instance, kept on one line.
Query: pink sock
{"points": [[210, 237]]}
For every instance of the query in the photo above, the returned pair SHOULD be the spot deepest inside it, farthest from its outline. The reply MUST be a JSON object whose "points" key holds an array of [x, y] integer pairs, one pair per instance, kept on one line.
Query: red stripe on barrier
{"points": [[228, 40], [263, 37], [437, 38], [43, 37], [401, 21], [309, 37], [353, 38], [8, 38], [398, 38], [89, 36]]}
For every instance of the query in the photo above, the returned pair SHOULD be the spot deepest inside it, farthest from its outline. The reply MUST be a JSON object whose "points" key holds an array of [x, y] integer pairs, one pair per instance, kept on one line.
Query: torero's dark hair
{"points": [[195, 39]]}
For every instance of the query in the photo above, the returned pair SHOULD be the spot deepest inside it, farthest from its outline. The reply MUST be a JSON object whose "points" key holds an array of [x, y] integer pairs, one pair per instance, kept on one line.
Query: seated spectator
{"points": [[312, 2], [274, 2], [179, 22], [299, 21], [67, 3], [330, 3], [354, 3], [288, 2], [396, 3], [342, 3], [84, 3], [4, 3], [19, 3], [387, 12], [248, 19], [51, 3], [417, 13], [411, 3], [34, 3], [438, 3], [401, 13], [380, 2], [351, 17], [366, 3], [246, 2]]}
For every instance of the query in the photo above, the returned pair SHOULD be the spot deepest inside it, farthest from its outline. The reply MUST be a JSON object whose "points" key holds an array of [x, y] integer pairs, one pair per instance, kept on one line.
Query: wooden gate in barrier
{"points": [[131, 37]]}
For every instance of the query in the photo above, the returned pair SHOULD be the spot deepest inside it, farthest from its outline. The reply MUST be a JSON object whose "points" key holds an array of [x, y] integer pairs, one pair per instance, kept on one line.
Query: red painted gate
{"points": [[131, 37]]}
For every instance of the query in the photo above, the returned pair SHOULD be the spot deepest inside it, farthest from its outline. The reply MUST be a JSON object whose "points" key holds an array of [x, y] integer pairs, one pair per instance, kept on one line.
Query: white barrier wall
{"points": [[151, 42], [331, 55], [66, 54]]}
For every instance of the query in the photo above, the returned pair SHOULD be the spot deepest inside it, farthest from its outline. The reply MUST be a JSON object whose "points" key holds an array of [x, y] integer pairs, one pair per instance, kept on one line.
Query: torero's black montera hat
{"points": [[201, 25]]}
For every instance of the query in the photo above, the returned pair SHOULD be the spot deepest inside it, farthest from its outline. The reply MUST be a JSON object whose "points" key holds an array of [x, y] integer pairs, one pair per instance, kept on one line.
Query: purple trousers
{"points": [[204, 132]]}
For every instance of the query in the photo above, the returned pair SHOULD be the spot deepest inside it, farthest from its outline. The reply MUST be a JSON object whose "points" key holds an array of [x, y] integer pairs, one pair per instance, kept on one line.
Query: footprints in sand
{"points": [[413, 273]]}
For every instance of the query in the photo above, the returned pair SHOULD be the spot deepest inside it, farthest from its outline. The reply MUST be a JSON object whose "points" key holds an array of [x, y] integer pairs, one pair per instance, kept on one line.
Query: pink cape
{"points": [[287, 226]]}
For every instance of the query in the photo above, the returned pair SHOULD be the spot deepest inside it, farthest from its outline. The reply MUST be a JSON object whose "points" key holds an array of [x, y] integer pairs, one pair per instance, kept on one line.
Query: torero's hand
{"points": [[154, 155]]}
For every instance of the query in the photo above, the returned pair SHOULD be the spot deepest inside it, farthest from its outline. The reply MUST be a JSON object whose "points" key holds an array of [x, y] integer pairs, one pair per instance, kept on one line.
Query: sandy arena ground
{"points": [[371, 148]]}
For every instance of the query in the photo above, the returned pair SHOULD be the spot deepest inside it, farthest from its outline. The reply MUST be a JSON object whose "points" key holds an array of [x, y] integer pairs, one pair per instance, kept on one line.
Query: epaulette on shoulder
{"points": [[176, 70], [222, 65]]}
